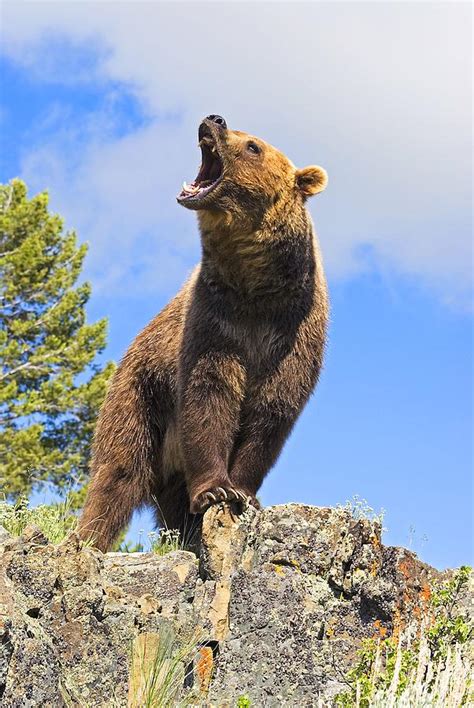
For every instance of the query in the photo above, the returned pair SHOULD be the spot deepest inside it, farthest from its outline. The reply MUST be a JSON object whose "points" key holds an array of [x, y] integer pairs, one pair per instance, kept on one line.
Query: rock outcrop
{"points": [[278, 600]]}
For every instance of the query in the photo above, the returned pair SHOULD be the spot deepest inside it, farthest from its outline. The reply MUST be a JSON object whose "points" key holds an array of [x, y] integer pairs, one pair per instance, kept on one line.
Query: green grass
{"points": [[159, 666], [165, 541], [160, 542], [55, 521]]}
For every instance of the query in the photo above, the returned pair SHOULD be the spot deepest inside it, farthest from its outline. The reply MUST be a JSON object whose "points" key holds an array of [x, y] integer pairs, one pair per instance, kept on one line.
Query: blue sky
{"points": [[101, 105]]}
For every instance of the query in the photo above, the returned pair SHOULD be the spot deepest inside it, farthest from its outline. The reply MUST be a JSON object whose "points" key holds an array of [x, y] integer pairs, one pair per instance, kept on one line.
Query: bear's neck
{"points": [[274, 259]]}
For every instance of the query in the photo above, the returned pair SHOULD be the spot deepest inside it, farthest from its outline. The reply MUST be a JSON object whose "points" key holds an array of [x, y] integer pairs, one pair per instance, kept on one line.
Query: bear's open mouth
{"points": [[210, 172]]}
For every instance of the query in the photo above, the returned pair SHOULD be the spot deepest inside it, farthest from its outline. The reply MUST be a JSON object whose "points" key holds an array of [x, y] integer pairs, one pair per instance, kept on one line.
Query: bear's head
{"points": [[242, 176]]}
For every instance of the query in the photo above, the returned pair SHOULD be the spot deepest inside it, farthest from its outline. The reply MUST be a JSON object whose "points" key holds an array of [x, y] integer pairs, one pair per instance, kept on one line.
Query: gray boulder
{"points": [[279, 600]]}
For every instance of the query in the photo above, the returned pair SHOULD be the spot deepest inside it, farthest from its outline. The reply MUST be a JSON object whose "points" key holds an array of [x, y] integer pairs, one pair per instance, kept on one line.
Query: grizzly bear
{"points": [[202, 402]]}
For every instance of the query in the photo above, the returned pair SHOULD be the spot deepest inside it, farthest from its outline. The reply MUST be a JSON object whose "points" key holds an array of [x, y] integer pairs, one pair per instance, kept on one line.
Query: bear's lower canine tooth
{"points": [[190, 188]]}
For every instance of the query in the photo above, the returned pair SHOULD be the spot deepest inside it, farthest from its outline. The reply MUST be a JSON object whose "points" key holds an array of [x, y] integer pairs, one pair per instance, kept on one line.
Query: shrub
{"points": [[432, 671]]}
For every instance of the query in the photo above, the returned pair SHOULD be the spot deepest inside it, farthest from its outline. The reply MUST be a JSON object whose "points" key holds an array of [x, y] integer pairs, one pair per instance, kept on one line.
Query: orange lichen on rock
{"points": [[204, 667], [381, 631], [425, 593], [398, 624], [375, 541]]}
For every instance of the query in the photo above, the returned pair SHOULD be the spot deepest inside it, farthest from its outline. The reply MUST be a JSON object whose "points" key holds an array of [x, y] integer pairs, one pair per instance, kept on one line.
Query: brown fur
{"points": [[200, 406]]}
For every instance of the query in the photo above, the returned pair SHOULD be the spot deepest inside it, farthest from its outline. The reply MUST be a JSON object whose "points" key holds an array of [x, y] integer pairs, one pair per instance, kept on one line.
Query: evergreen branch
{"points": [[26, 365], [9, 198]]}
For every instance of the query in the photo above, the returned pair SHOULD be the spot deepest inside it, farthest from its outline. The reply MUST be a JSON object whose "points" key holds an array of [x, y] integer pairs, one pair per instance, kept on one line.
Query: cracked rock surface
{"points": [[284, 595]]}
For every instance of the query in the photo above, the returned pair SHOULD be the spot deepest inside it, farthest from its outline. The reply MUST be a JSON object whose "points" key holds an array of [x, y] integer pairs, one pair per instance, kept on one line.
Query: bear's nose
{"points": [[217, 119]]}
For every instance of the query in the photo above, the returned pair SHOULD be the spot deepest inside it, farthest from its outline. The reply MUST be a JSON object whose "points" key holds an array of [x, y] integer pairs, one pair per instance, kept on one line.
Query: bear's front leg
{"points": [[262, 435], [211, 393], [269, 415]]}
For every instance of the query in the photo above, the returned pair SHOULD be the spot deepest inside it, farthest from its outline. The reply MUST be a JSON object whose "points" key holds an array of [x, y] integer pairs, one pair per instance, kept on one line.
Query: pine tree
{"points": [[50, 387]]}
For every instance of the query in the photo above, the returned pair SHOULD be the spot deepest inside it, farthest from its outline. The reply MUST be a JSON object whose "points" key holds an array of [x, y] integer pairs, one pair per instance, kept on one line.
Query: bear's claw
{"points": [[223, 492], [216, 495]]}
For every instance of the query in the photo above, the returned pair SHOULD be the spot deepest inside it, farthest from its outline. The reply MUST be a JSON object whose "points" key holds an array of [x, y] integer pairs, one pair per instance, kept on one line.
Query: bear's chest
{"points": [[257, 342]]}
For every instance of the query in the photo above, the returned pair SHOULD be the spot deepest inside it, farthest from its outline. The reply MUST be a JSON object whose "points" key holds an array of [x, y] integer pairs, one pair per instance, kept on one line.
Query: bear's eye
{"points": [[253, 147]]}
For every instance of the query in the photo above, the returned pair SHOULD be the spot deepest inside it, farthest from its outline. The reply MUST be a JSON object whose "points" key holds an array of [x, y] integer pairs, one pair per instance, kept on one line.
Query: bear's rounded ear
{"points": [[311, 180]]}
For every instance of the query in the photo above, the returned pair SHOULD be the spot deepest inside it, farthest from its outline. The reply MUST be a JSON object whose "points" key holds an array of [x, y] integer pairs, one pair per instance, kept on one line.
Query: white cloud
{"points": [[377, 93]]}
